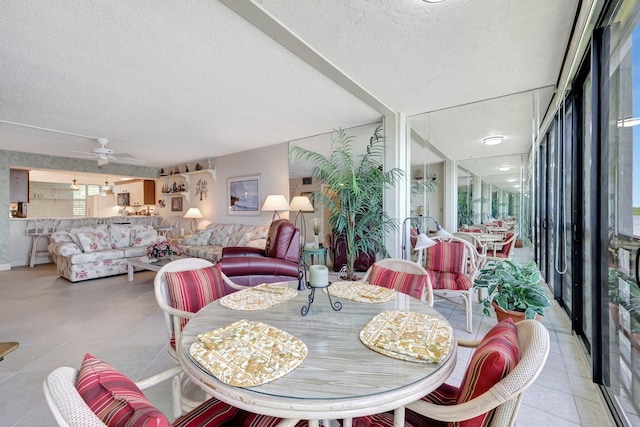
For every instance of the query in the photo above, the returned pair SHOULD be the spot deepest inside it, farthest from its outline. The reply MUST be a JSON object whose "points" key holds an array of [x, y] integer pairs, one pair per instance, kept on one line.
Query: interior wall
{"points": [[270, 163]]}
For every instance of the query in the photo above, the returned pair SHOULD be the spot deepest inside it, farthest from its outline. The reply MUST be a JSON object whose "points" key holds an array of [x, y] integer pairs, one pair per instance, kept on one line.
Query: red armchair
{"points": [[277, 262]]}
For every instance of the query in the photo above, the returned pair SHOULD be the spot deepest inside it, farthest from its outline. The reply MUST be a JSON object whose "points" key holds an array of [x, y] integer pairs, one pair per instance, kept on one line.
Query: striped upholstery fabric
{"points": [[450, 281], [249, 419], [114, 398], [496, 355], [191, 290], [504, 250], [212, 413], [407, 283], [446, 256]]}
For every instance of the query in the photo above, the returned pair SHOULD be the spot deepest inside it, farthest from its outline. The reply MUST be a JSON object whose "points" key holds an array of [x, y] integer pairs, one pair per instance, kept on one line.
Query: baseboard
{"points": [[5, 267]]}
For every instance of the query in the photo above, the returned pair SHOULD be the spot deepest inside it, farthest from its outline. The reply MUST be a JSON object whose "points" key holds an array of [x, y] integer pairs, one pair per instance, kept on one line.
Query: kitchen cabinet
{"points": [[19, 185], [143, 192]]}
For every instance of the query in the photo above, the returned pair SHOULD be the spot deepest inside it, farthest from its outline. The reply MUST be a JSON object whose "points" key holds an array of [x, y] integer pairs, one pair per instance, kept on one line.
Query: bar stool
{"points": [[41, 228]]}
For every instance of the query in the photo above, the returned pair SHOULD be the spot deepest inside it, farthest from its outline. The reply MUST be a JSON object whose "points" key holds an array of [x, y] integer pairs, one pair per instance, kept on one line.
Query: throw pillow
{"points": [[407, 283], [497, 354], [143, 236], [446, 256], [120, 236], [114, 398], [221, 234], [89, 242], [191, 290]]}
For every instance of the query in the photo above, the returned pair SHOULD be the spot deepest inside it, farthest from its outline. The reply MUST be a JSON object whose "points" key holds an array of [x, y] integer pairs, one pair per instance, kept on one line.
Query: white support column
{"points": [[477, 195], [397, 199], [450, 193]]}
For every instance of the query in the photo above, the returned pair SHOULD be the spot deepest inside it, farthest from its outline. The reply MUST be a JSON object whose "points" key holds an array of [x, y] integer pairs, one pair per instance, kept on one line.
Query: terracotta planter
{"points": [[515, 315]]}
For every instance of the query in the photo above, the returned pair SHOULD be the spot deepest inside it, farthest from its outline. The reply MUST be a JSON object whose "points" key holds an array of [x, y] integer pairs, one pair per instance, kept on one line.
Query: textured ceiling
{"points": [[176, 81]]}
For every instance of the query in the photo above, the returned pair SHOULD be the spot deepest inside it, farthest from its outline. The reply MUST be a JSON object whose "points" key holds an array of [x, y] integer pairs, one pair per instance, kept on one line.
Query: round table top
{"points": [[340, 376]]}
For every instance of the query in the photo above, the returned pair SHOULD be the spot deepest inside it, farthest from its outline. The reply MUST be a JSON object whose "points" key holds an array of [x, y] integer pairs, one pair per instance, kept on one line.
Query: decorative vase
{"points": [[316, 241]]}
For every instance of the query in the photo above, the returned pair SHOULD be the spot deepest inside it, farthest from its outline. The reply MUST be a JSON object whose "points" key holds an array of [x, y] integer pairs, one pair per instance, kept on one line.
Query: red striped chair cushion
{"points": [[446, 256], [497, 354], [211, 413], [504, 250], [191, 290], [114, 398], [407, 283], [449, 281], [249, 419]]}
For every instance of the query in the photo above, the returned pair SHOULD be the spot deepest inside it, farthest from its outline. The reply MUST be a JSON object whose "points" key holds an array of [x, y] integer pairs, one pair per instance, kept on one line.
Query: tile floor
{"points": [[57, 322]]}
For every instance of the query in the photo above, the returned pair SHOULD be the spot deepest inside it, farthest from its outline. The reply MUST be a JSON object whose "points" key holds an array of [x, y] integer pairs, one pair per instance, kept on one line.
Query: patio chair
{"points": [[402, 275], [168, 226], [499, 251], [452, 265], [486, 396], [178, 313], [117, 399]]}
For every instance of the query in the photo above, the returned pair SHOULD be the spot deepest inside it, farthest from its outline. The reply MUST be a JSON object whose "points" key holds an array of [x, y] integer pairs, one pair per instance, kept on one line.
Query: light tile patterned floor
{"points": [[57, 322]]}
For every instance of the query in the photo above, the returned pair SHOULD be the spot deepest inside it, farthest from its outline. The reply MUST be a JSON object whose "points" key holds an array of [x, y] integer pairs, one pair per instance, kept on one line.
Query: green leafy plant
{"points": [[514, 287], [352, 192]]}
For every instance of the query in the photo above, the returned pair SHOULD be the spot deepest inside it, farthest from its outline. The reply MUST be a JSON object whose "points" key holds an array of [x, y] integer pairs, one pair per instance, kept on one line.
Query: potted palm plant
{"points": [[352, 192], [513, 290]]}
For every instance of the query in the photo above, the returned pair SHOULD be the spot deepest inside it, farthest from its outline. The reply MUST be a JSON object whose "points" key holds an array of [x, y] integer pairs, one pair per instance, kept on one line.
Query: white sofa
{"points": [[208, 243], [102, 250]]}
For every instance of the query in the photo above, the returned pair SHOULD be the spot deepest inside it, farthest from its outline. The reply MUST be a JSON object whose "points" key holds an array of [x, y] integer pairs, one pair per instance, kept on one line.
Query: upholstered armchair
{"points": [[277, 262]]}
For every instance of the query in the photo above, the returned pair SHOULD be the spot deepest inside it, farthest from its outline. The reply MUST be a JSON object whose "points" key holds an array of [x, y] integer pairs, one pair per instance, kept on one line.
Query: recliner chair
{"points": [[277, 262]]}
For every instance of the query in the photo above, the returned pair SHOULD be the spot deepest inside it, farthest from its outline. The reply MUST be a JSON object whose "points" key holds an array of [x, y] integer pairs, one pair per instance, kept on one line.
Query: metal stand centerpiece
{"points": [[319, 278]]}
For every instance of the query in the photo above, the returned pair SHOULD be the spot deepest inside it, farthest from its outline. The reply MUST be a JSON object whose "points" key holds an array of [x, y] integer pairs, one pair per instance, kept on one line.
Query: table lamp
{"points": [[194, 215], [275, 203]]}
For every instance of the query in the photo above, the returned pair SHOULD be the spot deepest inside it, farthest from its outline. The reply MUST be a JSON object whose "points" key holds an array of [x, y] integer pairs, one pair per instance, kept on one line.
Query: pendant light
{"points": [[74, 186]]}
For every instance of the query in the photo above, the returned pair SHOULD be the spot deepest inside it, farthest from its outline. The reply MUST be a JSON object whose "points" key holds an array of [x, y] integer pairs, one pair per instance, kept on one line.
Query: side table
{"points": [[312, 252]]}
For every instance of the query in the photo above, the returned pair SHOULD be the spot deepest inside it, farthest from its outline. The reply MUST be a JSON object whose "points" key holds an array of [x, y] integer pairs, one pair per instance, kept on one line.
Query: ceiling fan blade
{"points": [[86, 153], [130, 160]]}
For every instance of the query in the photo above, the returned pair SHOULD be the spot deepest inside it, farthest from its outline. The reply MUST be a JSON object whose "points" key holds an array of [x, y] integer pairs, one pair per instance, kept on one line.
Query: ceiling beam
{"points": [[269, 25]]}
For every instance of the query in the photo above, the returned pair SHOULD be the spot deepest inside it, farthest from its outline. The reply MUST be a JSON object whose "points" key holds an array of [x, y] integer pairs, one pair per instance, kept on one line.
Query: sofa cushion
{"points": [[120, 235], [407, 283], [221, 233], [198, 238], [89, 242], [114, 398], [98, 256], [143, 236], [193, 289]]}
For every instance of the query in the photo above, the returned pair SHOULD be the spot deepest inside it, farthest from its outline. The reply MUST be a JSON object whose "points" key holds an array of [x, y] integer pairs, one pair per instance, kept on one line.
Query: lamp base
{"points": [[336, 306]]}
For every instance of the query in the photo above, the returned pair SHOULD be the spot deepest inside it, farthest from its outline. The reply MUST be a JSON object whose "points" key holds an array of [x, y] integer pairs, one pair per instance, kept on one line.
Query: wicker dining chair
{"points": [[175, 318], [406, 277], [492, 403], [452, 265], [116, 398]]}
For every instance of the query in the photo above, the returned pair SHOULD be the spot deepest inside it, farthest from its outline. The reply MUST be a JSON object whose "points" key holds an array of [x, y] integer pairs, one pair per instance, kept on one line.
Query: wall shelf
{"points": [[187, 179]]}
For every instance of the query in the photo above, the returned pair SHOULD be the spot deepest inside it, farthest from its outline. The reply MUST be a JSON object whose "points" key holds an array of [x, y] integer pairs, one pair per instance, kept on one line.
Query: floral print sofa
{"points": [[102, 250], [208, 243]]}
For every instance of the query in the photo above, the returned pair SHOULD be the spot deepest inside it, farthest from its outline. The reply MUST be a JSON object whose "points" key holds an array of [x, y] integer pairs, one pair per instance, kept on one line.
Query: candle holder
{"points": [[319, 278]]}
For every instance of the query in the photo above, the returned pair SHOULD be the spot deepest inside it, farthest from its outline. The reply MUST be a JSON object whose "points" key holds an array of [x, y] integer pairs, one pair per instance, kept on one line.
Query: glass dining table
{"points": [[340, 378]]}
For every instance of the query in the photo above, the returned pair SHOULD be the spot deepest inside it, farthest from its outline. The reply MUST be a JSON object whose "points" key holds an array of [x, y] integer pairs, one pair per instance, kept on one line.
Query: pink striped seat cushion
{"points": [[191, 290], [496, 355], [449, 281], [445, 256], [249, 419], [407, 283], [114, 398]]}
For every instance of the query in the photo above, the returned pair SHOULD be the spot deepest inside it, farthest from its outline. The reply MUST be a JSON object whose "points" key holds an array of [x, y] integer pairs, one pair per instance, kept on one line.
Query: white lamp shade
{"points": [[423, 242], [193, 213], [301, 203], [275, 202], [443, 233]]}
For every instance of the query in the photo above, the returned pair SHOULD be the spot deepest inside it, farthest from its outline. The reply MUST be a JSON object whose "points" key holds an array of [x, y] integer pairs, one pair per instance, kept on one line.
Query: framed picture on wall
{"points": [[244, 195], [176, 204]]}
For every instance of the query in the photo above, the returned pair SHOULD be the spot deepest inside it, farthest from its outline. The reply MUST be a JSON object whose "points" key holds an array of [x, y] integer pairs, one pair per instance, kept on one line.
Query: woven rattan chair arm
{"points": [[158, 378], [468, 343], [464, 411]]}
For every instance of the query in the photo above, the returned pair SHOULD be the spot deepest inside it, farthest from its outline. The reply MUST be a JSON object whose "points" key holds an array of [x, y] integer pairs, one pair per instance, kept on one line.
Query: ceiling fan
{"points": [[105, 155]]}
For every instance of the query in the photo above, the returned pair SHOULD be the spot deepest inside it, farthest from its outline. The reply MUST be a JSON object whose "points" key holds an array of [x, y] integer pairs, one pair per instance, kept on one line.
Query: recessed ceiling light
{"points": [[504, 168], [493, 140], [511, 180], [516, 186], [629, 122]]}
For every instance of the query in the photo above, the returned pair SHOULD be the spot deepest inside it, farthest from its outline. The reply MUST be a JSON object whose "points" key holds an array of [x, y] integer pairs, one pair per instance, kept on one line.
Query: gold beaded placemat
{"points": [[258, 297], [407, 335], [360, 292], [246, 354]]}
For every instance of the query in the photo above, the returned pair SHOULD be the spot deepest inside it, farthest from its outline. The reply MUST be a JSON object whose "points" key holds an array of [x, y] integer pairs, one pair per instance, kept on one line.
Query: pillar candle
{"points": [[318, 276]]}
